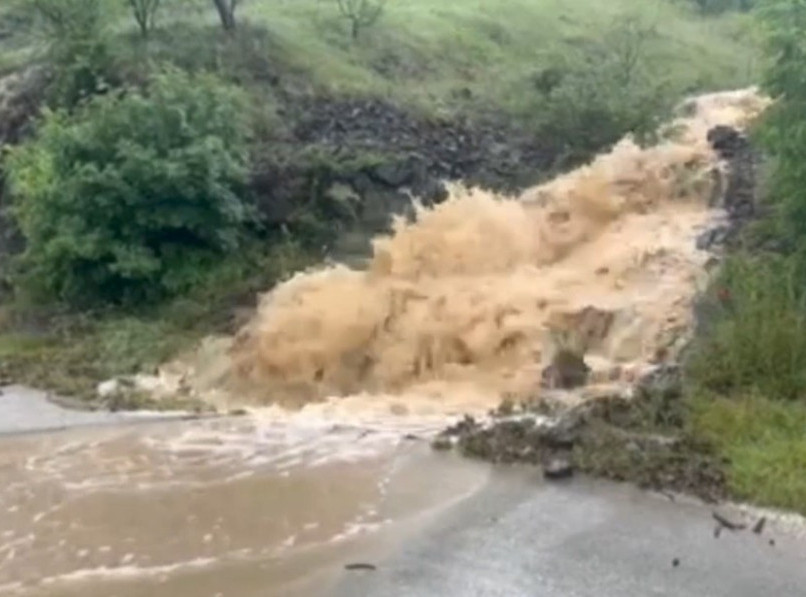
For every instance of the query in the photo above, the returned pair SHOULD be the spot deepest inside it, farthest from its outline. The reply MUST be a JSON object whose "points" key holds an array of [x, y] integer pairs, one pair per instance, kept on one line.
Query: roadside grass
{"points": [[764, 443]]}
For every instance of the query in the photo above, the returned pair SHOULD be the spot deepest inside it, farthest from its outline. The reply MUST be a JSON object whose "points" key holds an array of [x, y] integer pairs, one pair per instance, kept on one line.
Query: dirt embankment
{"points": [[635, 432]]}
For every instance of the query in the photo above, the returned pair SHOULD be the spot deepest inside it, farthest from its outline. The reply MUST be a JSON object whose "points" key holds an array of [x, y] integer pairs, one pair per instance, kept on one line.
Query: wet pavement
{"points": [[521, 537], [25, 410]]}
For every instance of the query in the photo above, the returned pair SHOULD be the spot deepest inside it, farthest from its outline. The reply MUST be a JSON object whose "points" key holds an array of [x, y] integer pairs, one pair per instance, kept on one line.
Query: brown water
{"points": [[238, 507], [456, 310]]}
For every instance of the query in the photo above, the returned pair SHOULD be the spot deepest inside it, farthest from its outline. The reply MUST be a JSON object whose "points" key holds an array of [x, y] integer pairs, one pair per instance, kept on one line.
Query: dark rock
{"points": [[726, 523], [675, 562], [442, 443], [663, 381], [396, 174], [557, 468], [758, 528], [725, 140], [563, 431], [567, 371]]}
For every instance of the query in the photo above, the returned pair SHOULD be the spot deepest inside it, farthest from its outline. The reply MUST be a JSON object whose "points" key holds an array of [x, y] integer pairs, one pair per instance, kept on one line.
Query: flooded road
{"points": [[234, 507]]}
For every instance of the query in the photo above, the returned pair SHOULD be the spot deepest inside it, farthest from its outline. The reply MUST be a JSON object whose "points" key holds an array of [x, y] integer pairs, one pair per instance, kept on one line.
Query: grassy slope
{"points": [[425, 52]]}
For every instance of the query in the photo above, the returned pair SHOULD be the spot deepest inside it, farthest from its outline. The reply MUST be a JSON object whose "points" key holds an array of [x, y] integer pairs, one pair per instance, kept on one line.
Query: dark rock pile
{"points": [[491, 154], [739, 199]]}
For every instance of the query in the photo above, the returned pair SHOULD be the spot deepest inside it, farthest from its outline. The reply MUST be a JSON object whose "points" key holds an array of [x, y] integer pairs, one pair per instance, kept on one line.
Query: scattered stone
{"points": [[758, 528], [411, 437], [675, 562], [238, 412], [772, 542], [558, 468], [442, 443], [567, 370], [360, 566], [727, 523]]}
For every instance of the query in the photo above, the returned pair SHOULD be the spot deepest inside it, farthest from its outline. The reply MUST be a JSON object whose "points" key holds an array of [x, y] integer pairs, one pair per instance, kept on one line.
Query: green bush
{"points": [[130, 197], [78, 46], [783, 130], [591, 104]]}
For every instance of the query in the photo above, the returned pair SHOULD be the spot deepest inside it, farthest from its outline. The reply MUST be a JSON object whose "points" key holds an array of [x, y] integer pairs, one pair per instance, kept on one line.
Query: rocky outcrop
{"points": [[739, 199], [354, 163], [482, 151]]}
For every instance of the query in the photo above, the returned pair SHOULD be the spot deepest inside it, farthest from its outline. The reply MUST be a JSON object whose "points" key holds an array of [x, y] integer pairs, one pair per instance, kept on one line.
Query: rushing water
{"points": [[457, 309]]}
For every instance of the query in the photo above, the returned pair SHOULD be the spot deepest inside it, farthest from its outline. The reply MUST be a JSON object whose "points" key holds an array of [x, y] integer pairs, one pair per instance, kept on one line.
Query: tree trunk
{"points": [[226, 11]]}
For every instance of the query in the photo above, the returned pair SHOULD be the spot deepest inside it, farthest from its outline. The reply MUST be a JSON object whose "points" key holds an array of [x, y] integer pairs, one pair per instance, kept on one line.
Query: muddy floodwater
{"points": [[234, 507]]}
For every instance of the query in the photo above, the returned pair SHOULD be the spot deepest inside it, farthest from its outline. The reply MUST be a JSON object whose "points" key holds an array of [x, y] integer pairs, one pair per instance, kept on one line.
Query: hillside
{"points": [[341, 130]]}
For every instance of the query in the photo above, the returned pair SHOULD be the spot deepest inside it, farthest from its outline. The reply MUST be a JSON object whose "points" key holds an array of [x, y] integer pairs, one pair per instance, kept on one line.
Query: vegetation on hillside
{"points": [[747, 372]]}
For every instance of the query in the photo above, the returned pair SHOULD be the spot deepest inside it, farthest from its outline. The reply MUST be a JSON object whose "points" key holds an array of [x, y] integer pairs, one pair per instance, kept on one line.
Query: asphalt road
{"points": [[522, 537], [24, 410]]}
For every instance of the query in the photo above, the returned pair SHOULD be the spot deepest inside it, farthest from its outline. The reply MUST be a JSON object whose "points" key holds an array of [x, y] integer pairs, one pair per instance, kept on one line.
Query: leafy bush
{"points": [[593, 103], [784, 128], [132, 196], [78, 46]]}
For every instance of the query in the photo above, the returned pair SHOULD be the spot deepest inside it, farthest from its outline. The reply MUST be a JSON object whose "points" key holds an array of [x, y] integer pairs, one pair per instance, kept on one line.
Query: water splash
{"points": [[468, 302]]}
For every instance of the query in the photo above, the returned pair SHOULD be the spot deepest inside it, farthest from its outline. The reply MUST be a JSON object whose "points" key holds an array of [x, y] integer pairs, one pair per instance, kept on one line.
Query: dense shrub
{"points": [[130, 197], [590, 104], [79, 47], [784, 128]]}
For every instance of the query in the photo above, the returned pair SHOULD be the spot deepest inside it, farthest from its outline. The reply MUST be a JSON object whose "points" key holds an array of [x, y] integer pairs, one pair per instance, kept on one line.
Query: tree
{"points": [[226, 12], [134, 194], [145, 13], [79, 47], [361, 13]]}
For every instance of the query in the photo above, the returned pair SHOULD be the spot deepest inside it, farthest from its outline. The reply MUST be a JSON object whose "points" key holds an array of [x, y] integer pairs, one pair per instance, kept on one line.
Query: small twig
{"points": [[360, 566]]}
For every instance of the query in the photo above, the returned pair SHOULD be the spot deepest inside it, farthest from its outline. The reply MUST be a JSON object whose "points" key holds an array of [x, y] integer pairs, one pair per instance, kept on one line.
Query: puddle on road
{"points": [[229, 507]]}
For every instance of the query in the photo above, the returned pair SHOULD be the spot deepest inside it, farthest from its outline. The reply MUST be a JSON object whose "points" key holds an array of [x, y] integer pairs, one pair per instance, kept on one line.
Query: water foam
{"points": [[470, 301]]}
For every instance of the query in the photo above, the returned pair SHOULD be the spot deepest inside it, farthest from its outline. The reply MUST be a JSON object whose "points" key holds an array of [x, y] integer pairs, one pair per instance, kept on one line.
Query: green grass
{"points": [[764, 442], [492, 47]]}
